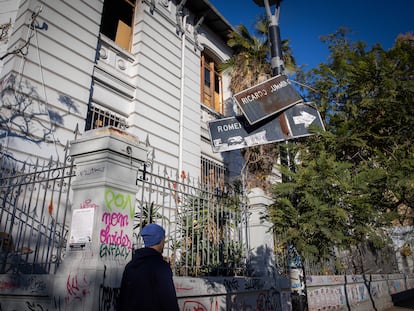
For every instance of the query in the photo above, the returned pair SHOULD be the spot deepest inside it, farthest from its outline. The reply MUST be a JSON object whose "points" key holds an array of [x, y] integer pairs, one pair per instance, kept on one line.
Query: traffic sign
{"points": [[267, 98], [236, 132], [299, 117]]}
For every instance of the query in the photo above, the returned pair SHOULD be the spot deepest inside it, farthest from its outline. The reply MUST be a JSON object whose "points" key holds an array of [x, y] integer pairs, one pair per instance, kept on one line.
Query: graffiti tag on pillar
{"points": [[114, 241], [117, 200]]}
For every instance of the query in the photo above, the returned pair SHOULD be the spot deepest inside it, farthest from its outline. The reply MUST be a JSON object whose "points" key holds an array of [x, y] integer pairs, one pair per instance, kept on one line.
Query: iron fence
{"points": [[34, 203], [206, 223]]}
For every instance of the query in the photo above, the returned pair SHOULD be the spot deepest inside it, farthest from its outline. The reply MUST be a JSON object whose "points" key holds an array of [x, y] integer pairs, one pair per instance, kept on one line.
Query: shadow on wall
{"points": [[261, 263], [24, 111]]}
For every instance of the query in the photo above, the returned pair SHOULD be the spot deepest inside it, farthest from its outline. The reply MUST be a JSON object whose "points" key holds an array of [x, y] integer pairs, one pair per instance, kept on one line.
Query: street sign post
{"points": [[236, 132], [267, 98]]}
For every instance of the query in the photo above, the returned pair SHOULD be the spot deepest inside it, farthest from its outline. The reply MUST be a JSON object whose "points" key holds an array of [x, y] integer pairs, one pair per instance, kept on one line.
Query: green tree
{"points": [[355, 179]]}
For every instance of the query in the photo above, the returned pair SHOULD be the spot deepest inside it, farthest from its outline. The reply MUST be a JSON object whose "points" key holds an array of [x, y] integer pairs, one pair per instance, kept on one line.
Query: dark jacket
{"points": [[147, 284]]}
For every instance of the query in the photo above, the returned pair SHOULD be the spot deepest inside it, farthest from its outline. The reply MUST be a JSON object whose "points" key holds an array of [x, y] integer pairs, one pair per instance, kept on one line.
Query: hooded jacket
{"points": [[147, 284]]}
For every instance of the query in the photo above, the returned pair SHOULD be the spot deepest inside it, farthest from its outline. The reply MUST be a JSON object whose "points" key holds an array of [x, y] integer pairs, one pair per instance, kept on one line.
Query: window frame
{"points": [[215, 89], [114, 24]]}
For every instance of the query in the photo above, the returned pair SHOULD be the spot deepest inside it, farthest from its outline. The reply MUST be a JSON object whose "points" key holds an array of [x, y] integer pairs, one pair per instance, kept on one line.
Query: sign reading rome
{"points": [[267, 98], [236, 133]]}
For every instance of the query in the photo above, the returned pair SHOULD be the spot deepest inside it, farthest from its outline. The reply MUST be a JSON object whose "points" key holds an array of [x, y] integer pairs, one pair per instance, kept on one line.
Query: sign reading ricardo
{"points": [[267, 98]]}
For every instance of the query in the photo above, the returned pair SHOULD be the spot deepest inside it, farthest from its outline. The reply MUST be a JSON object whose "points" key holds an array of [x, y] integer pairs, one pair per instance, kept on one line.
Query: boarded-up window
{"points": [[211, 84], [117, 21]]}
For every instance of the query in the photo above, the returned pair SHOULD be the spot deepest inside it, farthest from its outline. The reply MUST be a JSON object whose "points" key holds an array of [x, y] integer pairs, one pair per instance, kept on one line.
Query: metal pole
{"points": [[274, 39], [296, 269]]}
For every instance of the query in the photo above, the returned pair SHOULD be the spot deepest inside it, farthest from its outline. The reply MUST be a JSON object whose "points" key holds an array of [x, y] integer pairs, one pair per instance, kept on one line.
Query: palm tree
{"points": [[262, 28], [250, 62], [148, 214]]}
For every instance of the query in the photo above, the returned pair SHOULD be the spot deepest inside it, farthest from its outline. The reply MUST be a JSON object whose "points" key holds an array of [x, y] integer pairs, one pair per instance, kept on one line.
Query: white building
{"points": [[148, 66]]}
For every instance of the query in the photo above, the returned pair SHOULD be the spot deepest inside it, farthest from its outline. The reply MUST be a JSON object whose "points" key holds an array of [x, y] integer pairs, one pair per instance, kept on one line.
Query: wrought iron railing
{"points": [[34, 203], [206, 225]]}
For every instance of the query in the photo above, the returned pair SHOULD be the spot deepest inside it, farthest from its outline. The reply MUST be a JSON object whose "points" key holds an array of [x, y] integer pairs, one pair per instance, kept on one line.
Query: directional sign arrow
{"points": [[305, 118], [300, 117]]}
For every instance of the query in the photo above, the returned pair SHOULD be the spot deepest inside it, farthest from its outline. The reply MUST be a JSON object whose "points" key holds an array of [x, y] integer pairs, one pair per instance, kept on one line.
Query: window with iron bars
{"points": [[212, 175], [101, 117]]}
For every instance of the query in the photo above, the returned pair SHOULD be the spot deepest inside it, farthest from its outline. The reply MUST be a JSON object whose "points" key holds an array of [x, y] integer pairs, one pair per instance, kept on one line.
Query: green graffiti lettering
{"points": [[118, 200]]}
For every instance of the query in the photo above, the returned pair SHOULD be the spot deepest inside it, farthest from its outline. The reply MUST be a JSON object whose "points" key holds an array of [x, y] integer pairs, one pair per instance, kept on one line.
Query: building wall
{"points": [[54, 72], [155, 87]]}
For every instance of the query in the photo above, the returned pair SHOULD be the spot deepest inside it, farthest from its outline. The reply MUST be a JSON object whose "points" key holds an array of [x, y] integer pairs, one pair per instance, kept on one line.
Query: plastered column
{"points": [[100, 238], [261, 239]]}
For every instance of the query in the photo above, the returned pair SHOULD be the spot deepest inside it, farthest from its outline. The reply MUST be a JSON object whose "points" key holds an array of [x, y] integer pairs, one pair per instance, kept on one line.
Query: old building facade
{"points": [[149, 67]]}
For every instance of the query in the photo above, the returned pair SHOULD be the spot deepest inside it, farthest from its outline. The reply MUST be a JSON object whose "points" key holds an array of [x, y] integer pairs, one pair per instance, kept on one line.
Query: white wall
{"points": [[58, 66]]}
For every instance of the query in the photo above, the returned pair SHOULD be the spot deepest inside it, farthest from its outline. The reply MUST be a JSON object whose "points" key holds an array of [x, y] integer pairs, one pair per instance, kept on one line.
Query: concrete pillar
{"points": [[100, 238], [262, 260]]}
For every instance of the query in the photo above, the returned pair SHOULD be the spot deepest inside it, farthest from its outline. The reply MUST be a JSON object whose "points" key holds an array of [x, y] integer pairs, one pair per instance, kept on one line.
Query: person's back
{"points": [[147, 282]]}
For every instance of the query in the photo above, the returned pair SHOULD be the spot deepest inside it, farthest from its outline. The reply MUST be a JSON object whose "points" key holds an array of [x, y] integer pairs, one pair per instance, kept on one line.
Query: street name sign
{"points": [[236, 132], [299, 117], [267, 98]]}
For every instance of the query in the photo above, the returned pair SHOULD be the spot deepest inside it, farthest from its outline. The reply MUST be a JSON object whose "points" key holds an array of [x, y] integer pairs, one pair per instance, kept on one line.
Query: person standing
{"points": [[147, 282]]}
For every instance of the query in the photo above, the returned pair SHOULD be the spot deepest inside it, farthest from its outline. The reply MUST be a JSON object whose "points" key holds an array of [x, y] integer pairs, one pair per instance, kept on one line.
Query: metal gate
{"points": [[205, 223]]}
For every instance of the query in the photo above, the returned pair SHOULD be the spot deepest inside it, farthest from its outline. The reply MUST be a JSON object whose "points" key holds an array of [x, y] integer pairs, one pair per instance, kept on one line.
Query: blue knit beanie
{"points": [[152, 234]]}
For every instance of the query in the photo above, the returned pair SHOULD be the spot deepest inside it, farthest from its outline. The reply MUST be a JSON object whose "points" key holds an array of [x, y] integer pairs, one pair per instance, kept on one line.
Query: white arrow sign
{"points": [[305, 118]]}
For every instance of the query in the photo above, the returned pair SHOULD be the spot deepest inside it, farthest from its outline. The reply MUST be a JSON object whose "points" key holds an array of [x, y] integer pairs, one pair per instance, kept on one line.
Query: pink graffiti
{"points": [[194, 305], [77, 290], [8, 285], [88, 204], [181, 288], [114, 219], [117, 238]]}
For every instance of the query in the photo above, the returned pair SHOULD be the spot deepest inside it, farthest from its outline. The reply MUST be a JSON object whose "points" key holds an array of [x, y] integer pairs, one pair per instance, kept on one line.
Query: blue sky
{"points": [[304, 21]]}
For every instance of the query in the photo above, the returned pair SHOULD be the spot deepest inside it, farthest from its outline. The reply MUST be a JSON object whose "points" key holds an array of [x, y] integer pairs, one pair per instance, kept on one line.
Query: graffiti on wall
{"points": [[241, 294], [31, 284], [114, 239], [88, 204], [77, 291], [119, 201], [108, 296]]}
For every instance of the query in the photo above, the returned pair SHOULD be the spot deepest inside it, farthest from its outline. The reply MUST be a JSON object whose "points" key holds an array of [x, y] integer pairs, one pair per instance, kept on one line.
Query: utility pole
{"points": [[296, 269]]}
